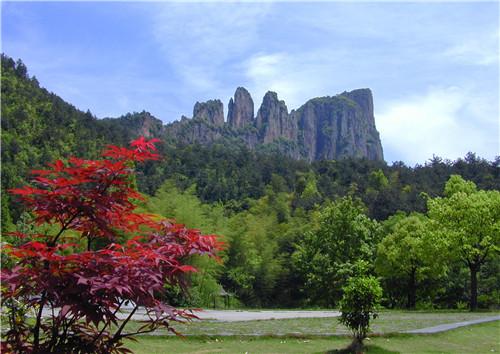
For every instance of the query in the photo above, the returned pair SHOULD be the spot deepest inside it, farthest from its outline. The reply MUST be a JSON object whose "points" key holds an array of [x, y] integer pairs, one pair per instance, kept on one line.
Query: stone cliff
{"points": [[132, 125], [273, 121], [212, 111], [240, 110], [324, 128], [339, 126]]}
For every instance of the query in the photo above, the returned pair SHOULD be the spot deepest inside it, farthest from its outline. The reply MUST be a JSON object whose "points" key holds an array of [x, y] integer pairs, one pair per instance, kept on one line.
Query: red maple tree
{"points": [[103, 256]]}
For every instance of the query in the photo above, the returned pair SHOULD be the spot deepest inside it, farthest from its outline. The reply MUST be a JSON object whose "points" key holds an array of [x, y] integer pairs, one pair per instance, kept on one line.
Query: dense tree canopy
{"points": [[327, 254], [471, 219], [412, 252]]}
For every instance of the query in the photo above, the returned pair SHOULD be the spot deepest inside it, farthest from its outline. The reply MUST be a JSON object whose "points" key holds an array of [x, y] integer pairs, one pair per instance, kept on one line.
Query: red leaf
{"points": [[187, 268]]}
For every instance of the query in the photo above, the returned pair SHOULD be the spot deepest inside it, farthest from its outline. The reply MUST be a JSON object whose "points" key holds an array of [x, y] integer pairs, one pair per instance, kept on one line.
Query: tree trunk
{"points": [[474, 269], [356, 347], [412, 290]]}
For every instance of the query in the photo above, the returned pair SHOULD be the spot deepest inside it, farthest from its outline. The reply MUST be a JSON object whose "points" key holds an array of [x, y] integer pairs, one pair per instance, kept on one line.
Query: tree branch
{"points": [[107, 323], [64, 227], [36, 329], [117, 335], [138, 332]]}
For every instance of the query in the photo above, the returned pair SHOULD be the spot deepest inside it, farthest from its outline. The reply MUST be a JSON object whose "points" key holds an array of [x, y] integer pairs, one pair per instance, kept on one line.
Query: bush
{"points": [[361, 299]]}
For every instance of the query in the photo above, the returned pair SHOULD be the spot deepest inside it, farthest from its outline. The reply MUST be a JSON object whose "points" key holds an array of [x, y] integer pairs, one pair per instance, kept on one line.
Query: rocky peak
{"points": [[142, 124], [240, 110], [273, 120], [211, 111], [364, 98], [271, 99], [324, 128], [339, 126]]}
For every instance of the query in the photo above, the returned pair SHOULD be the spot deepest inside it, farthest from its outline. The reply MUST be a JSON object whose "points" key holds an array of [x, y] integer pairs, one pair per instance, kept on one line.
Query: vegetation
{"points": [[101, 256], [294, 230], [412, 252], [38, 127], [358, 306], [327, 255], [471, 220]]}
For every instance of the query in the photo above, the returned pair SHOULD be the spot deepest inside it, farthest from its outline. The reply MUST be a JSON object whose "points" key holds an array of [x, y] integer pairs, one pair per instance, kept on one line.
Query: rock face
{"points": [[133, 125], [191, 131], [273, 121], [324, 128], [212, 111], [148, 125], [364, 98], [240, 110], [339, 126]]}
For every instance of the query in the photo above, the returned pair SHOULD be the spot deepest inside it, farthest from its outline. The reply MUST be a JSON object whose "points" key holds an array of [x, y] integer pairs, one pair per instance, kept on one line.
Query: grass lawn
{"points": [[387, 322], [481, 338]]}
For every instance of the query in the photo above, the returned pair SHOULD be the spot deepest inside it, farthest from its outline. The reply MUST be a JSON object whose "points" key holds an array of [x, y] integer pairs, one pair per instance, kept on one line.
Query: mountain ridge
{"points": [[323, 128]]}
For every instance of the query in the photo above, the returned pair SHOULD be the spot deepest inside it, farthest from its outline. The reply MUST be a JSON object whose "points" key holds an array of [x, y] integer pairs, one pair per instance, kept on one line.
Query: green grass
{"points": [[387, 322], [481, 338]]}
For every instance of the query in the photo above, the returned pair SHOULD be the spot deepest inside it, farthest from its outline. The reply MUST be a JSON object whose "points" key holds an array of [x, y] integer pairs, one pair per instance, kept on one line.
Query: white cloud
{"points": [[271, 72], [482, 49], [295, 77], [447, 122], [200, 40]]}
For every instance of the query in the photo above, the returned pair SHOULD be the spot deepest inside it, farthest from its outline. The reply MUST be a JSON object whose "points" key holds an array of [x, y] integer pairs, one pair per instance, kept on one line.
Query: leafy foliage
{"points": [[187, 209], [326, 256], [412, 253], [358, 306], [83, 288], [471, 219]]}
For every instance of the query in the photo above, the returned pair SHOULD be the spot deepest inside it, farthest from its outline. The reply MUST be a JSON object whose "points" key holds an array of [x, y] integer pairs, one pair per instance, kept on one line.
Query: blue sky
{"points": [[433, 67]]}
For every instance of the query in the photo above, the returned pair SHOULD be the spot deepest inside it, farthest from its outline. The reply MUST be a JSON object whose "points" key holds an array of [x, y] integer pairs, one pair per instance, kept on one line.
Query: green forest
{"points": [[295, 232]]}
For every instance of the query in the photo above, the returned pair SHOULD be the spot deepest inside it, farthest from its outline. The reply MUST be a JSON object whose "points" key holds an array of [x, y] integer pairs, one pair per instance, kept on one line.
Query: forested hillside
{"points": [[37, 128], [273, 211]]}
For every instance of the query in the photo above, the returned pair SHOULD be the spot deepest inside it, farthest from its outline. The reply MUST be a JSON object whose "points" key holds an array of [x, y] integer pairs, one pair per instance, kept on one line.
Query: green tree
{"points": [[358, 306], [187, 209], [326, 255], [471, 219], [254, 264], [307, 194], [412, 252], [377, 180]]}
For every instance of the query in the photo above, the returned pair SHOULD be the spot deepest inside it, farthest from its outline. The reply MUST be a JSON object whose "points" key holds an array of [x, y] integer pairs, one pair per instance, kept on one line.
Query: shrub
{"points": [[361, 298]]}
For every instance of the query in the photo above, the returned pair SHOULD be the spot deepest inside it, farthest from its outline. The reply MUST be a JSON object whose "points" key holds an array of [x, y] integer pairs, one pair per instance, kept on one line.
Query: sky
{"points": [[433, 67]]}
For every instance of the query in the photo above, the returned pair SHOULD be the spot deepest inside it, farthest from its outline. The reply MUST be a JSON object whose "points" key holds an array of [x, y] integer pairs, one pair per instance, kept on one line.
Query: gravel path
{"points": [[236, 316], [447, 327]]}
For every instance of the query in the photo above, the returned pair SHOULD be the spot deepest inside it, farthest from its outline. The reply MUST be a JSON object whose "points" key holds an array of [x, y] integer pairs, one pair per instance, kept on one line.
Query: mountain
{"points": [[38, 126], [324, 128], [232, 162]]}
